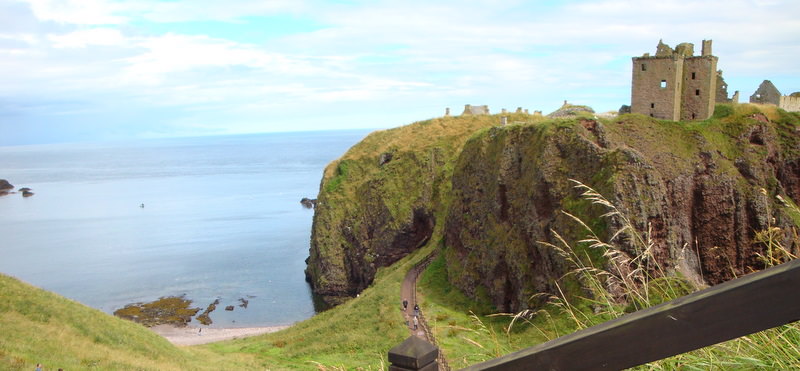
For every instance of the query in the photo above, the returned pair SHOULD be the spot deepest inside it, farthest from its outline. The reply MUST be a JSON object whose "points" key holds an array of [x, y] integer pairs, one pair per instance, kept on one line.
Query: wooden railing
{"points": [[736, 308]]}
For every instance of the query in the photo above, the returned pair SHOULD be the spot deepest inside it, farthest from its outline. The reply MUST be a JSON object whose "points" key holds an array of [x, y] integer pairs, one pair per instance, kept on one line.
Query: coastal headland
{"points": [[486, 199]]}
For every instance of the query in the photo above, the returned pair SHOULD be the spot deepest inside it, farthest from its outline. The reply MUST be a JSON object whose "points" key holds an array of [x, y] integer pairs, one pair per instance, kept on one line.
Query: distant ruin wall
{"points": [[475, 110], [766, 93], [789, 103]]}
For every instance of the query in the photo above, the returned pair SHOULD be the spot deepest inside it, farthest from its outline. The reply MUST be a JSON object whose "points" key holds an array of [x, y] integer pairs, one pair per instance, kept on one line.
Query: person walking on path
{"points": [[416, 310], [416, 322], [405, 304]]}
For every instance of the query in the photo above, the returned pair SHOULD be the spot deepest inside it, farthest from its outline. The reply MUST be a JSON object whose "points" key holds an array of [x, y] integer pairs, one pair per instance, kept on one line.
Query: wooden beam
{"points": [[736, 308]]}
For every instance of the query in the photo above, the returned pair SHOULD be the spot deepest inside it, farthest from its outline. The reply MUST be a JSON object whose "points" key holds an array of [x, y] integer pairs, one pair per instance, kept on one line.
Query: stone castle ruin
{"points": [[767, 93], [475, 110], [675, 84]]}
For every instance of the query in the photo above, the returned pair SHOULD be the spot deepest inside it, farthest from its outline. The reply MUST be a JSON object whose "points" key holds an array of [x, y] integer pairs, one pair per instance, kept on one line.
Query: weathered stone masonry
{"points": [[789, 103], [767, 93], [675, 84]]}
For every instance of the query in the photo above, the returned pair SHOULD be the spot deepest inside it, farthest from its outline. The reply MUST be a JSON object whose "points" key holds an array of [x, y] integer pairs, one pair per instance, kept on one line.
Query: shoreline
{"points": [[193, 335]]}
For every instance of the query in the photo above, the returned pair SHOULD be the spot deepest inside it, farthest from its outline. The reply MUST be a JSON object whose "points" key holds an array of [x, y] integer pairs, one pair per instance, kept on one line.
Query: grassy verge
{"points": [[469, 331], [41, 327], [356, 335]]}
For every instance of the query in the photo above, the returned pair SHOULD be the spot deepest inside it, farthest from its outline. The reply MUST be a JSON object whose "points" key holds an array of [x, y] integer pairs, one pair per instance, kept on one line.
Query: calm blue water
{"points": [[221, 219]]}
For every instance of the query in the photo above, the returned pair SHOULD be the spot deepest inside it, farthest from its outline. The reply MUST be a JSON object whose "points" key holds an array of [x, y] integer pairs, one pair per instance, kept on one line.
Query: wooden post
{"points": [[414, 354]]}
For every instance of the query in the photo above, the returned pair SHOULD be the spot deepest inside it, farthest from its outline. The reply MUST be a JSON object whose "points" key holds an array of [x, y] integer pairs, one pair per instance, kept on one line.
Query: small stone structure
{"points": [[475, 110], [766, 93], [675, 84], [447, 112]]}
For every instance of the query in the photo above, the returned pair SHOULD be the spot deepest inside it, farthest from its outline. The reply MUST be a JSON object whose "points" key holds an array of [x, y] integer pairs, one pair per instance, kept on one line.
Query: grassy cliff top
{"points": [[448, 132]]}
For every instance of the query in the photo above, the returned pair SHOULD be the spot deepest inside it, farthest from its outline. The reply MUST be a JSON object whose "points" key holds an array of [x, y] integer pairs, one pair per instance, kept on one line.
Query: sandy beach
{"points": [[192, 335]]}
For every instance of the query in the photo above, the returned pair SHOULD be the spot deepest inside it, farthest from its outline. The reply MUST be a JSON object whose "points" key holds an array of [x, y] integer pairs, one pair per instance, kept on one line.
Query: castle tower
{"points": [[675, 84]]}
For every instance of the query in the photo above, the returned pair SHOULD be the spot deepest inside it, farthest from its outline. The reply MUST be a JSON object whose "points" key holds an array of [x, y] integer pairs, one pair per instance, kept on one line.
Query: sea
{"points": [[207, 218]]}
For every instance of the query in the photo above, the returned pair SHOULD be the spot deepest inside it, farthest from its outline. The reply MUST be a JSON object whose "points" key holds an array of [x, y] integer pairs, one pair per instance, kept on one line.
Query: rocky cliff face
{"points": [[697, 187], [381, 200], [493, 193]]}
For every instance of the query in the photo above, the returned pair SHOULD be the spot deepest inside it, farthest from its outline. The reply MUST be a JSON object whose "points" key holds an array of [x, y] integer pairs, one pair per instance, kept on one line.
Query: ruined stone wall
{"points": [[699, 87], [722, 89], [656, 86], [789, 103], [766, 93], [475, 110]]}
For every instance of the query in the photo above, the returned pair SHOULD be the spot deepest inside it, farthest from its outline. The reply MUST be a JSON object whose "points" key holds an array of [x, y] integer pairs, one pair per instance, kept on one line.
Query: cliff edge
{"points": [[492, 193], [381, 200]]}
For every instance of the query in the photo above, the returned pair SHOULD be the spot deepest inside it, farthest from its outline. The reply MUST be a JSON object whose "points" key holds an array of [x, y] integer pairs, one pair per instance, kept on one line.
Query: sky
{"points": [[93, 70]]}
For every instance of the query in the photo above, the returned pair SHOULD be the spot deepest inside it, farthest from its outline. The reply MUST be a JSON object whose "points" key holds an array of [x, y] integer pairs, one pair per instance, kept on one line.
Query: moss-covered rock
{"points": [[172, 310], [383, 199], [495, 192], [694, 185]]}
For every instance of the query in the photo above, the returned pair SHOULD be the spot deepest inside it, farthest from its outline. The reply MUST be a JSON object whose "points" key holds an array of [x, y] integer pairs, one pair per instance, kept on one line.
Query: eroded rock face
{"points": [[510, 185], [696, 187], [346, 253], [381, 201]]}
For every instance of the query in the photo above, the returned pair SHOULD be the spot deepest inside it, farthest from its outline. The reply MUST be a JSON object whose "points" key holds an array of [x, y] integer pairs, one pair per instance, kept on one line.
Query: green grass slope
{"points": [[355, 335], [37, 326]]}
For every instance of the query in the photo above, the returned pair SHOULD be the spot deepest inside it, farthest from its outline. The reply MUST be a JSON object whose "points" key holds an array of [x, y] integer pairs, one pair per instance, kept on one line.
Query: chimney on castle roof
{"points": [[706, 50]]}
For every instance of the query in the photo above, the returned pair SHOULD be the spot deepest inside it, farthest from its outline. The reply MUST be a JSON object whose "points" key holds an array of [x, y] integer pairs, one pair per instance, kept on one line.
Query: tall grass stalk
{"points": [[633, 281]]}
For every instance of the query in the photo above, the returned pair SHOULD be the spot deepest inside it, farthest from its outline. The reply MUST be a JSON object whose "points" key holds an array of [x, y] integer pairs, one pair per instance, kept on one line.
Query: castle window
{"points": [[694, 115], [652, 105], [644, 66], [697, 92], [663, 84], [693, 75]]}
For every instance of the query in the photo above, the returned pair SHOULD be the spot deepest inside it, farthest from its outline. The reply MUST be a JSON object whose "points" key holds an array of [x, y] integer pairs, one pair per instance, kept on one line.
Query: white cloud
{"points": [[108, 12], [419, 55], [88, 37], [81, 12]]}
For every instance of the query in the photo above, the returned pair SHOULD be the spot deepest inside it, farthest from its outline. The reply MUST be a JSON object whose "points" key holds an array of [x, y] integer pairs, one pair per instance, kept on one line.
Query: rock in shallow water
{"points": [[172, 310]]}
